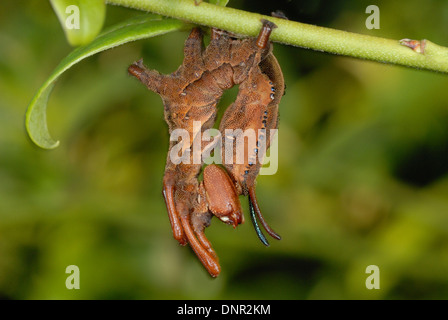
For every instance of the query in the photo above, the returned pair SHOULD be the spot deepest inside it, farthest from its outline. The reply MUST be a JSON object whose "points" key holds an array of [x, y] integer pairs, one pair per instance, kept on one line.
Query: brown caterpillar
{"points": [[191, 94]]}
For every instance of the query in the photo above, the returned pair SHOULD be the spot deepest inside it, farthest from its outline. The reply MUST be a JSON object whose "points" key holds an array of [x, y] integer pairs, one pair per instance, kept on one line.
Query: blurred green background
{"points": [[362, 179]]}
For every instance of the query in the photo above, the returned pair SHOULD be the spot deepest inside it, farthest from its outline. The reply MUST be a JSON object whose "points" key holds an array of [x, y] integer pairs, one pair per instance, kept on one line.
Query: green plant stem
{"points": [[435, 57]]}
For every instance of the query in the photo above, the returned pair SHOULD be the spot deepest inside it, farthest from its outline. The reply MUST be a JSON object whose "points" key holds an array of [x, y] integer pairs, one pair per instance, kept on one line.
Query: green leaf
{"points": [[221, 3], [133, 29], [82, 20]]}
